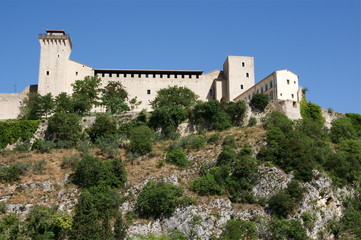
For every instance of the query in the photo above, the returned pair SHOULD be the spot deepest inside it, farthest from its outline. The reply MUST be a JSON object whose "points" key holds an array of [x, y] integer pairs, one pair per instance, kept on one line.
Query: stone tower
{"points": [[239, 75], [55, 49]]}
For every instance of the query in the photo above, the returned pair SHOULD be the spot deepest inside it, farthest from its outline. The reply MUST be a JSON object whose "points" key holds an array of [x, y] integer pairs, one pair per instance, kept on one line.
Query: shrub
{"points": [[227, 156], [356, 122], [12, 173], [159, 199], [22, 147], [38, 166], [65, 127], [177, 157], [236, 111], [12, 131], [342, 129], [105, 126], [259, 102], [229, 141], [213, 139], [238, 229], [190, 142], [211, 115], [311, 111], [284, 202], [252, 122], [280, 120], [43, 146], [71, 161], [141, 140], [168, 119], [90, 171], [207, 185], [288, 229]]}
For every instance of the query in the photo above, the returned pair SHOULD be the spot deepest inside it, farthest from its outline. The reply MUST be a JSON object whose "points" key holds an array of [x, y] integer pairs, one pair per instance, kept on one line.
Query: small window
{"points": [[288, 81], [243, 64], [266, 87], [58, 55], [270, 84], [76, 73], [292, 95], [148, 91], [241, 86], [211, 92], [47, 73], [294, 82], [247, 74], [280, 94]]}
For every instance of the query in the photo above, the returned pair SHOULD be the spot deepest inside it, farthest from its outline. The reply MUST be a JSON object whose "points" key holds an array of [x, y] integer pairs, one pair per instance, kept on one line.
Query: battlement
{"points": [[56, 35]]}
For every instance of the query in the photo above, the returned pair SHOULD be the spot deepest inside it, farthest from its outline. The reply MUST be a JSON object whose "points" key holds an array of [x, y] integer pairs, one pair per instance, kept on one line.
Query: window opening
{"points": [[288, 81], [47, 73], [247, 74], [241, 86], [148, 91], [243, 64]]}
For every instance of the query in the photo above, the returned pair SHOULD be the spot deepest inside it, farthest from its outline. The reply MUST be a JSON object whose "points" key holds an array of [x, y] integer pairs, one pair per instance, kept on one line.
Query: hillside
{"points": [[186, 170]]}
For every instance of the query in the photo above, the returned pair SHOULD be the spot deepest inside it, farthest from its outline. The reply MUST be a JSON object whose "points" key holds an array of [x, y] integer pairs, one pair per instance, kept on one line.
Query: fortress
{"points": [[235, 82]]}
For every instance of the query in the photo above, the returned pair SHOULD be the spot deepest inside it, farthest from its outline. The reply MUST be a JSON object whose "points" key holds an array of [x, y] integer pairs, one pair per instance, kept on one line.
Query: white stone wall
{"points": [[10, 103], [239, 73], [76, 71], [145, 88]]}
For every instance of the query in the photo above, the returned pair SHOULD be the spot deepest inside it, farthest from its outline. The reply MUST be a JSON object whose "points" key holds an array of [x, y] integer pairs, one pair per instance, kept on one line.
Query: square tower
{"points": [[239, 75]]}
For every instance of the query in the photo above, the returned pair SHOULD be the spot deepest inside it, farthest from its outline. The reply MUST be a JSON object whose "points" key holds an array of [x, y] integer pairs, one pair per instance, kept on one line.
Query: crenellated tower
{"points": [[55, 49]]}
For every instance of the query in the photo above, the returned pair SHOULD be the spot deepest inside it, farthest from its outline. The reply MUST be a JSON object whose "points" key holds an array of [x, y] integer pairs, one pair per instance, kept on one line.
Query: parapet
{"points": [[56, 35]]}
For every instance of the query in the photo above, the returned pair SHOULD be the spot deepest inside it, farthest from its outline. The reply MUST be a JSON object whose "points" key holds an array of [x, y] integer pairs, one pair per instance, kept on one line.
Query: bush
{"points": [[342, 129], [238, 229], [311, 111], [211, 115], [168, 119], [259, 102], [43, 146], [159, 199], [279, 120], [177, 157], [174, 97], [22, 147], [65, 127], [213, 139], [229, 141], [192, 142], [284, 202], [70, 162], [236, 111], [356, 122], [252, 122], [141, 140], [12, 131], [288, 229], [227, 156], [12, 173], [104, 126], [90, 171], [207, 185]]}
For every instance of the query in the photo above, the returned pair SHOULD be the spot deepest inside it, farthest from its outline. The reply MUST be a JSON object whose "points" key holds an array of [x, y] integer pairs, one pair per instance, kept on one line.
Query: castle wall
{"points": [[10, 103], [145, 86], [76, 71]]}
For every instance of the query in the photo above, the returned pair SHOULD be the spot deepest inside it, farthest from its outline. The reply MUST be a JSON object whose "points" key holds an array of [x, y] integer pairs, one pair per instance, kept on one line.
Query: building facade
{"points": [[236, 81]]}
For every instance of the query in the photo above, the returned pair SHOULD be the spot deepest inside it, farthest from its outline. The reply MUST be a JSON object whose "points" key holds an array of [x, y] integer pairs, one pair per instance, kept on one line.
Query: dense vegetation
{"points": [[98, 170]]}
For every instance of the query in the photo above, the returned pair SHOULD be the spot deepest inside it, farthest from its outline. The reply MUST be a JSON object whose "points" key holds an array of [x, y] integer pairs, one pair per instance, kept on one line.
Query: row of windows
{"points": [[288, 81], [132, 75], [260, 90]]}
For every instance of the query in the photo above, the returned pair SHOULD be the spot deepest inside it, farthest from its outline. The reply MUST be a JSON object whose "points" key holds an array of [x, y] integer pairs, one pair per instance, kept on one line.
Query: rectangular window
{"points": [[148, 91], [294, 82], [76, 73], [243, 64], [270, 84], [247, 74], [288, 81], [292, 95], [47, 73], [241, 86]]}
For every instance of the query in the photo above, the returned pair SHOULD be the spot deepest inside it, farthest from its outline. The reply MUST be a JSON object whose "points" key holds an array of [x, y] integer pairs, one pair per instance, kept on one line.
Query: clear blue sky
{"points": [[319, 40]]}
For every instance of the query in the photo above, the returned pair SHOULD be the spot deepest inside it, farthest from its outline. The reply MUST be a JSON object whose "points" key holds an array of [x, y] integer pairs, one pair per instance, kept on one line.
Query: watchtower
{"points": [[55, 49], [239, 75]]}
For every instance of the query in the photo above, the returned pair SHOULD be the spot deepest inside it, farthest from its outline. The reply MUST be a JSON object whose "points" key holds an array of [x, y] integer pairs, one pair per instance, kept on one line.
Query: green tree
{"points": [[36, 106], [174, 97], [159, 199], [64, 103], [236, 111], [177, 157], [115, 98], [86, 94], [259, 102], [65, 127], [104, 126], [238, 229], [141, 140], [342, 129]]}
